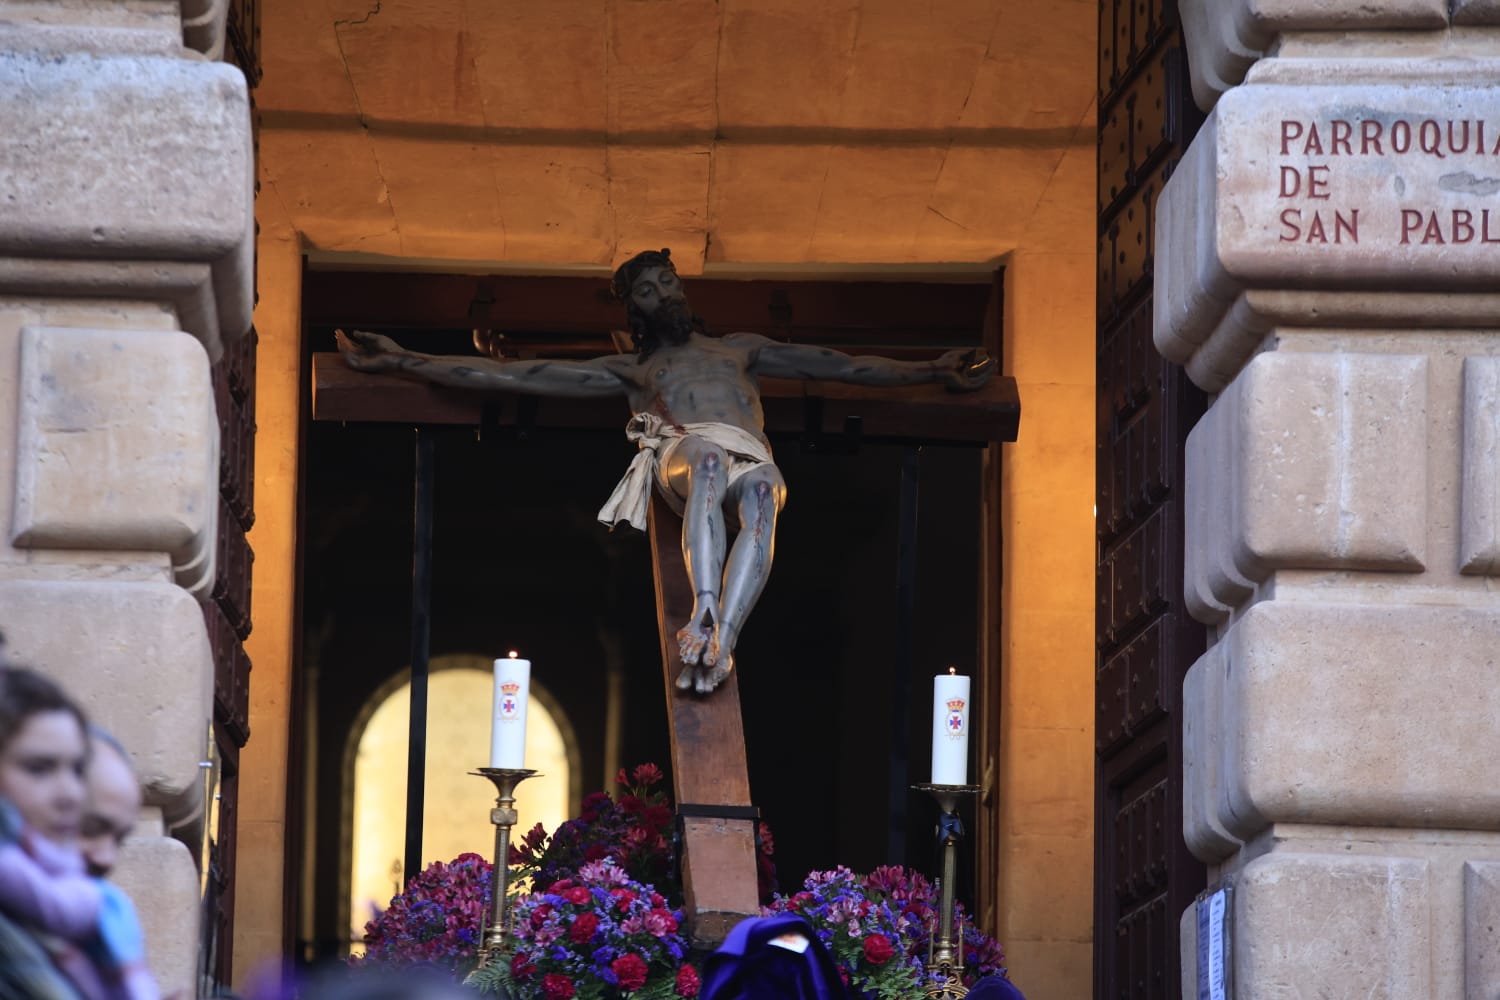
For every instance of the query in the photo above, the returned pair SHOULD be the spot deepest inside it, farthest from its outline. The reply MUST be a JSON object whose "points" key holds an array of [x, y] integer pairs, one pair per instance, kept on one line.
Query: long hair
{"points": [[24, 693]]}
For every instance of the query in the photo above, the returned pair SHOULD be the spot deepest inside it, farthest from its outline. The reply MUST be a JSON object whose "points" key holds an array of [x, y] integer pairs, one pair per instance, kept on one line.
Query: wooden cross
{"points": [[710, 777]]}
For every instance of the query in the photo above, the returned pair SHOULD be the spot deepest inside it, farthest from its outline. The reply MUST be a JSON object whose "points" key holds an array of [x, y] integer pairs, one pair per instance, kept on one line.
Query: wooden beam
{"points": [[922, 413], [936, 315], [708, 760]]}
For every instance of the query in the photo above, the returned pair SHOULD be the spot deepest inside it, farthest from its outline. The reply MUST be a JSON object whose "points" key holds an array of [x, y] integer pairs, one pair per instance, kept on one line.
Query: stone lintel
{"points": [[1297, 195], [1299, 705], [183, 128]]}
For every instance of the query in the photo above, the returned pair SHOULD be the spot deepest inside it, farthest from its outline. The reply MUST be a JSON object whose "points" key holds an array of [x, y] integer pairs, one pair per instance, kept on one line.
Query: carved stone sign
{"points": [[1359, 183], [1355, 188]]}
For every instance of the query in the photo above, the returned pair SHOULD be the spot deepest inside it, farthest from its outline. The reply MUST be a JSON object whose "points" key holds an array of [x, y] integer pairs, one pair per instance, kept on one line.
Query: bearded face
{"points": [[671, 323]]}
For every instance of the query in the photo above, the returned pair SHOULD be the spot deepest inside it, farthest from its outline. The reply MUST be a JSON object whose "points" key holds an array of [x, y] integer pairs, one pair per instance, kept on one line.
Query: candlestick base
{"points": [[504, 817], [945, 950]]}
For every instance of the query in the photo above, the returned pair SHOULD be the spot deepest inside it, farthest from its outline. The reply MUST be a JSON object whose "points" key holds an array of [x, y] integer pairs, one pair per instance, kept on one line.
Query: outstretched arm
{"points": [[958, 370], [370, 352]]}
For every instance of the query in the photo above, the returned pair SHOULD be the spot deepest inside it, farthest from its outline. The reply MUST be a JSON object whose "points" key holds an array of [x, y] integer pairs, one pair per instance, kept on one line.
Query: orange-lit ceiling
{"points": [[572, 132]]}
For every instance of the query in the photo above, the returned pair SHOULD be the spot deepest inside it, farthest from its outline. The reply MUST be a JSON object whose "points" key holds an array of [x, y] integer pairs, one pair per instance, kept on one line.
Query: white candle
{"points": [[950, 729], [508, 720]]}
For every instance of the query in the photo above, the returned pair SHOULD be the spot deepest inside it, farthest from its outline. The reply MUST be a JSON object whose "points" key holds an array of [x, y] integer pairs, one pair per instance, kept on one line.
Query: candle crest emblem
{"points": [[956, 718], [510, 701]]}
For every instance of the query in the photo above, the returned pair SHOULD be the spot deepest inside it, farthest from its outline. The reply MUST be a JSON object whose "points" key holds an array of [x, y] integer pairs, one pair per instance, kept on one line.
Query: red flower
{"points": [[584, 926], [557, 987], [687, 981], [632, 972], [622, 779], [625, 898], [878, 949], [594, 852], [646, 774], [630, 805], [560, 885], [659, 817], [540, 914], [577, 895], [521, 967]]}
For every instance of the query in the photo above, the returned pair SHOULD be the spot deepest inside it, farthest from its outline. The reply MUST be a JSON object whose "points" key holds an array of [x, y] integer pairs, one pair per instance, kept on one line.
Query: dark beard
{"points": [[671, 323]]}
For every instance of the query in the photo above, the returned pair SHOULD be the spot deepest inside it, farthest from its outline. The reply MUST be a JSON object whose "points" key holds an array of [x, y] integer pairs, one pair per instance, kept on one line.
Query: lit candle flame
{"points": [[951, 670], [513, 655]]}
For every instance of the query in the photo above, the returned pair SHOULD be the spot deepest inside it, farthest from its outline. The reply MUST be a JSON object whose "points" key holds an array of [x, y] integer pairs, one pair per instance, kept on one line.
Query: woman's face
{"points": [[41, 773]]}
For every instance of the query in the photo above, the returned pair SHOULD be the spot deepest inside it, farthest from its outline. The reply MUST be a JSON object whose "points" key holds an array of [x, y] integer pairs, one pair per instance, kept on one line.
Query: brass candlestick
{"points": [[945, 950], [504, 817]]}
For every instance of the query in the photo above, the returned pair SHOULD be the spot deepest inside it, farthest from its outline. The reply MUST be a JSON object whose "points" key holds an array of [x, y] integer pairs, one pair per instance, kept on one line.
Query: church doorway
{"points": [[835, 730]]}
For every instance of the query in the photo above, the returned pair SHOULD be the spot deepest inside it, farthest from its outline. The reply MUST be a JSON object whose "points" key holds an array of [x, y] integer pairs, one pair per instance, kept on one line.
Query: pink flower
{"points": [[557, 987], [632, 972], [646, 774], [687, 981], [660, 923]]}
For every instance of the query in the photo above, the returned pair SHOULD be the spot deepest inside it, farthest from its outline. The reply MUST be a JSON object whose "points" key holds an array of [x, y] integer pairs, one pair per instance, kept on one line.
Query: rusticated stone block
{"points": [[1291, 469], [1202, 758], [1481, 930], [182, 126], [117, 445], [137, 656], [1225, 38], [1306, 924], [1313, 728], [161, 878], [1318, 437], [1479, 549]]}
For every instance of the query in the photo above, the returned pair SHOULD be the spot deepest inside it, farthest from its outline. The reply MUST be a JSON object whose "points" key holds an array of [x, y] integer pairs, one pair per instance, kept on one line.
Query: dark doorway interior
{"points": [[519, 561]]}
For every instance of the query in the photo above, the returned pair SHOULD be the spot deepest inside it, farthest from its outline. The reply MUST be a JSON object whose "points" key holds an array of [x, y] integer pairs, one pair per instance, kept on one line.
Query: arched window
{"points": [[457, 804]]}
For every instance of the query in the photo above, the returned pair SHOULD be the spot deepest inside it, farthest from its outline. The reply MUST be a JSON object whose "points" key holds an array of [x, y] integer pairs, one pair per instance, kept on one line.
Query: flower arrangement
{"points": [[436, 921], [634, 832], [596, 936], [877, 928]]}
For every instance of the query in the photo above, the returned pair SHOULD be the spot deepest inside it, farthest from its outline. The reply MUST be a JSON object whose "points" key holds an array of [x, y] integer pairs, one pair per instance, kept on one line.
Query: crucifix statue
{"points": [[698, 424]]}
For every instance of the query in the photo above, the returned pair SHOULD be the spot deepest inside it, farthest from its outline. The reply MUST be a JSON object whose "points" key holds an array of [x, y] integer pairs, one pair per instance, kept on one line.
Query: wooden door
{"points": [[1144, 876]]}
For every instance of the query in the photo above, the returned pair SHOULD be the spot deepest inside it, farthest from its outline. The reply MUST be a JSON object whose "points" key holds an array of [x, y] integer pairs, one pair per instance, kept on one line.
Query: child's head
{"points": [[43, 750]]}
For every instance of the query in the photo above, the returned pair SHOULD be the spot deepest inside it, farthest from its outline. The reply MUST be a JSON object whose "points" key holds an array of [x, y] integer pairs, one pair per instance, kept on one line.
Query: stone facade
{"points": [[126, 256], [1325, 260]]}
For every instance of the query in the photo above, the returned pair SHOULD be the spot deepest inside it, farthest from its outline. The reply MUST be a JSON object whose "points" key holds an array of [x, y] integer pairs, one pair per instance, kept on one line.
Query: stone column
{"points": [[1327, 255], [125, 265]]}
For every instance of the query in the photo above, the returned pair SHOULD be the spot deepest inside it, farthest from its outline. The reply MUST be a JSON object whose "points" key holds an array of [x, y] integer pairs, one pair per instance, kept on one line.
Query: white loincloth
{"points": [[656, 439]]}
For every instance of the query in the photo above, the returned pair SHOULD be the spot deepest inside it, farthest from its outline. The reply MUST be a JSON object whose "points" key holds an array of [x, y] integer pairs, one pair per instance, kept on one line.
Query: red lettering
{"points": [[1290, 219], [1342, 130], [1410, 220], [1400, 137], [1313, 144], [1341, 225], [1434, 232], [1314, 182], [1484, 227], [1369, 135], [1315, 232], [1454, 145], [1291, 182], [1289, 130], [1463, 225]]}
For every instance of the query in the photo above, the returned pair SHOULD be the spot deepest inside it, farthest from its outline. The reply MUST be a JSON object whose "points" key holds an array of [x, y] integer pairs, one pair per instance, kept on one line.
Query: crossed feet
{"points": [[706, 658]]}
